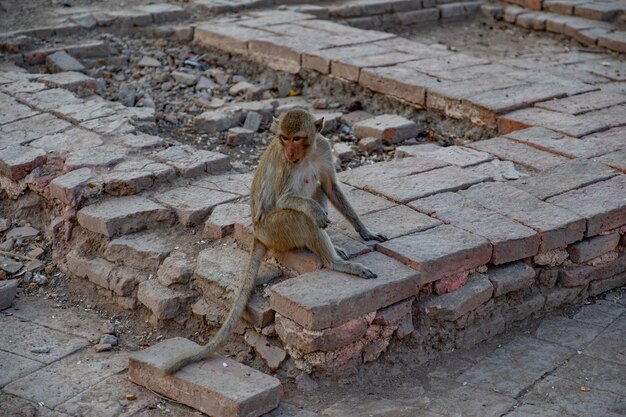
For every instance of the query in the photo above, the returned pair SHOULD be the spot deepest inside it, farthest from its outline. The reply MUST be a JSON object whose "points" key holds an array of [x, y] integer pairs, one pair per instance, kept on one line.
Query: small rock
{"points": [[102, 347], [284, 85], [34, 266], [10, 265], [320, 103], [305, 383], [26, 233], [253, 121], [184, 78], [5, 224], [148, 61], [126, 94], [239, 88], [107, 328], [109, 339], [49, 269], [344, 151], [62, 61], [40, 349], [167, 86], [36, 252], [146, 101], [370, 145], [238, 136], [219, 75], [7, 245], [3, 275], [205, 83], [40, 279]]}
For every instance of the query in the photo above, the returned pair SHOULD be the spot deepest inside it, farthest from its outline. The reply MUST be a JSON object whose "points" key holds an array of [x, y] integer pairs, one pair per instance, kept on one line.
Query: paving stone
{"points": [[122, 215], [389, 128], [193, 204], [26, 130], [583, 103], [116, 125], [95, 157], [17, 161], [565, 177], [324, 298], [223, 218], [425, 184], [191, 162], [65, 380], [272, 355], [61, 61], [601, 204], [349, 67], [88, 110], [572, 277], [364, 175], [511, 277], [210, 386], [592, 248], [515, 366], [601, 313], [364, 202], [557, 227], [141, 141], [455, 155], [399, 81], [519, 153], [439, 252], [68, 188], [615, 160], [69, 80], [177, 268], [465, 399], [22, 339], [355, 406], [615, 41], [48, 99], [226, 36], [15, 367], [70, 140], [593, 373], [558, 143], [164, 302], [567, 397], [320, 60], [566, 332], [609, 344], [140, 250], [13, 111], [453, 305], [8, 289], [510, 239]]}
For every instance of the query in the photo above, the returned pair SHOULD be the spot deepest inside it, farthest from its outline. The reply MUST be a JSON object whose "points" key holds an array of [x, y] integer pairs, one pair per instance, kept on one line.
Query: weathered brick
{"points": [[519, 153], [68, 188], [116, 125], [510, 240], [164, 302], [412, 17], [26, 130], [69, 80], [96, 270], [61, 61], [564, 7], [615, 160], [480, 331], [598, 11], [140, 250], [558, 297], [223, 218], [320, 60], [190, 162], [450, 283], [217, 386], [557, 227], [602, 204], [193, 204], [231, 182], [163, 12], [95, 157], [535, 21], [398, 81], [122, 215], [593, 247], [453, 305], [460, 156], [217, 120], [239, 136], [141, 141], [566, 177], [70, 140], [615, 41], [17, 161], [512, 277], [13, 111], [582, 275], [349, 68], [598, 287], [439, 252], [272, 354], [389, 128], [558, 143], [46, 100], [177, 268], [583, 103], [530, 304], [325, 298], [326, 340]]}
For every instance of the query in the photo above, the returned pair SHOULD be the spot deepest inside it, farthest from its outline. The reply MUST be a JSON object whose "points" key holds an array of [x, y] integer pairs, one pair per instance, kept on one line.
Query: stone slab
{"points": [[193, 204], [17, 161], [229, 182], [68, 188], [68, 141], [582, 275], [557, 227], [439, 252], [8, 289], [217, 386], [519, 153], [65, 380], [223, 218], [592, 248], [191, 162], [164, 302], [510, 240], [13, 367], [95, 157], [325, 298], [13, 111], [609, 345], [49, 99], [511, 277], [615, 160], [457, 303], [121, 215], [594, 373], [388, 127], [565, 177], [26, 130], [567, 332], [601, 313], [583, 103], [140, 250], [602, 205]]}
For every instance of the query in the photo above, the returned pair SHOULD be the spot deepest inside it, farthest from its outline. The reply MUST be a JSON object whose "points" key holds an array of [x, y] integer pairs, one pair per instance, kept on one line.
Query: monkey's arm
{"points": [[307, 206], [331, 188]]}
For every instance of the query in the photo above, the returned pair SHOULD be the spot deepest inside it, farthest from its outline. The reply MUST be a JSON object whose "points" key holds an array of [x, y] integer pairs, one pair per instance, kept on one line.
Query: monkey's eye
{"points": [[296, 138], [283, 138]]}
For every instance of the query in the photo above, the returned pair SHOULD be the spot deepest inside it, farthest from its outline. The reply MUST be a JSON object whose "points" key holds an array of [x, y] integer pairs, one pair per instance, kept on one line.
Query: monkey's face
{"points": [[295, 146]]}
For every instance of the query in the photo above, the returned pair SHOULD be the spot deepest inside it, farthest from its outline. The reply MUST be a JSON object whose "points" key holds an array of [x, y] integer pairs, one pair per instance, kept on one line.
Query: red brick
{"points": [[228, 37], [67, 188], [325, 298], [388, 127], [511, 240], [519, 153], [603, 204], [516, 97], [217, 386], [583, 103], [598, 11], [593, 247], [511, 277], [584, 274], [320, 60], [277, 52], [571, 125], [349, 67], [564, 7], [557, 227], [439, 252], [453, 305], [451, 283], [406, 83]]}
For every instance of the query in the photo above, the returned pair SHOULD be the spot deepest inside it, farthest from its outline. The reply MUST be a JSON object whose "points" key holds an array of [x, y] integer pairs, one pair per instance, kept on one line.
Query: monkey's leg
{"points": [[290, 229], [321, 198]]}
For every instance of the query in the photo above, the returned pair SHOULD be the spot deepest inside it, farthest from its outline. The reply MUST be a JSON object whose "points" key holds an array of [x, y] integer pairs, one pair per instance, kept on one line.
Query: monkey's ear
{"points": [[319, 124]]}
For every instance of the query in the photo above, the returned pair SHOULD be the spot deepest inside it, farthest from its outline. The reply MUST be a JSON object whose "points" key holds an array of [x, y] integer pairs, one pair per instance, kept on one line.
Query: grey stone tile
{"points": [[595, 373], [567, 332], [601, 313], [13, 367]]}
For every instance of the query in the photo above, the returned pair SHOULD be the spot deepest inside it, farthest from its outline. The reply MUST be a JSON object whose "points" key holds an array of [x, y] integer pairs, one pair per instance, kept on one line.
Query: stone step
{"points": [[142, 250], [165, 302], [601, 11], [217, 386]]}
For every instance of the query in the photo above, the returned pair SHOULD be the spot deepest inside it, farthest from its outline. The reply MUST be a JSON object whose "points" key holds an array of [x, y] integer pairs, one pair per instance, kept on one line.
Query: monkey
{"points": [[290, 190]]}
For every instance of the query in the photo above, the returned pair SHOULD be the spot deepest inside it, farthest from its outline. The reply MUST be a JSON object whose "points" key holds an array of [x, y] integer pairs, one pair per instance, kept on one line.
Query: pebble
{"points": [[184, 78], [34, 265], [370, 145], [7, 245], [205, 83], [320, 103], [40, 349], [148, 61], [126, 94], [146, 101], [109, 339], [107, 328], [102, 347], [40, 279], [5, 224]]}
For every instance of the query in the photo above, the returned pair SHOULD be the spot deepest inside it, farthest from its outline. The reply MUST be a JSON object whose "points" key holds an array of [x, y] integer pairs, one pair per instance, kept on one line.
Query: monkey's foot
{"points": [[341, 252]]}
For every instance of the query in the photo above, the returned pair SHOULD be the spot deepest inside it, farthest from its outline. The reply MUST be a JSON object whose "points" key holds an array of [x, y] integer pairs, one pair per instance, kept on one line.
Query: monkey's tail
{"points": [[239, 305]]}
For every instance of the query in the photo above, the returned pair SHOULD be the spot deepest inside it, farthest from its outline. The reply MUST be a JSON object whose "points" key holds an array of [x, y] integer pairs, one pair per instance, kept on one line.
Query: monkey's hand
{"points": [[319, 215], [367, 235]]}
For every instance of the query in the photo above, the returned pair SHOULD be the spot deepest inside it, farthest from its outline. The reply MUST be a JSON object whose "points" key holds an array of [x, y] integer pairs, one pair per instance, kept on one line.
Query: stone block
{"points": [[26, 130], [46, 100], [510, 240], [71, 141], [416, 16], [96, 270], [557, 227], [399, 81], [122, 215], [582, 275], [451, 306], [61, 61], [604, 285], [511, 277], [193, 204], [389, 128], [592, 248], [439, 252], [483, 330], [67, 188], [349, 68], [237, 136], [143, 251], [272, 355], [615, 41], [190, 162], [615, 160], [519, 153], [96, 157], [602, 205], [395, 222], [325, 298], [450, 283], [177, 268], [565, 177], [529, 305], [218, 386], [164, 302], [223, 218], [17, 161], [8, 289], [583, 103], [231, 182]]}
